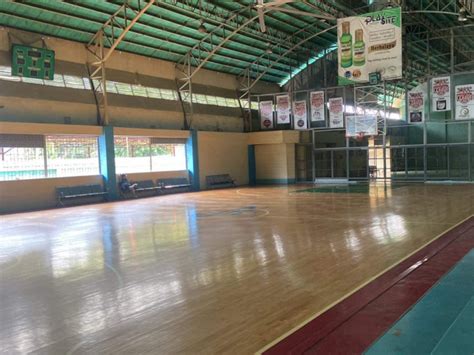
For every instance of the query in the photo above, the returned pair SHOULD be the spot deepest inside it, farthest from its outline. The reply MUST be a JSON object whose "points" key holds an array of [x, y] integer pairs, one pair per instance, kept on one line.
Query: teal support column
{"points": [[107, 161], [252, 165], [192, 160]]}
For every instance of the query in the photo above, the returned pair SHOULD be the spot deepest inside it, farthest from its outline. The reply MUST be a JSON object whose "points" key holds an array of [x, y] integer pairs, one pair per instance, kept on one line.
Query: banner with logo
{"points": [[441, 94], [370, 43], [266, 114], [464, 101], [416, 106], [318, 109], [283, 109], [299, 114], [336, 112]]}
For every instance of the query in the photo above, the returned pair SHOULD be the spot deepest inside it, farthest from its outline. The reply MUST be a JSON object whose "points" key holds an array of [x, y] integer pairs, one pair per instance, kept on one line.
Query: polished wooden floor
{"points": [[212, 272]]}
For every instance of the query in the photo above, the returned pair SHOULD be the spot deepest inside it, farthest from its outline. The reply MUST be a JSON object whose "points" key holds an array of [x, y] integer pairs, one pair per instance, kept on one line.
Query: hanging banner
{"points": [[283, 109], [370, 43], [266, 114], [464, 102], [336, 112], [318, 109], [299, 114], [416, 106], [441, 94]]}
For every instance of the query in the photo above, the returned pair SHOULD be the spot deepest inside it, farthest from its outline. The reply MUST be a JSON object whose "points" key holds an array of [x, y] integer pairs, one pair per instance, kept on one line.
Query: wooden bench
{"points": [[174, 184], [219, 181], [80, 191]]}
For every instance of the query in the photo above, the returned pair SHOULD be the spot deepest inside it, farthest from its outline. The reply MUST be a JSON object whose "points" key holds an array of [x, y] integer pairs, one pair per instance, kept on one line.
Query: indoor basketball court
{"points": [[242, 177]]}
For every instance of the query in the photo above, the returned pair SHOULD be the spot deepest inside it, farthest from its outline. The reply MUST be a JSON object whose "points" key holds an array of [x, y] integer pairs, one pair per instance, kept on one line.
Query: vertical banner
{"points": [[300, 115], [266, 114], [464, 102], [318, 109], [336, 112], [283, 109], [416, 106], [370, 43], [441, 94]]}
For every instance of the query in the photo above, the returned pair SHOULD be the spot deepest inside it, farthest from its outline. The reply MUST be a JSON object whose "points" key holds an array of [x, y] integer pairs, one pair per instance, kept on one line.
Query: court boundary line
{"points": [[331, 305]]}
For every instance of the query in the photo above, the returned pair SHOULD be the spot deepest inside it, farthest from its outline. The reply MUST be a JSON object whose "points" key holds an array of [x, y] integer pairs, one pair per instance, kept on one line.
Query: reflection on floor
{"points": [[209, 272]]}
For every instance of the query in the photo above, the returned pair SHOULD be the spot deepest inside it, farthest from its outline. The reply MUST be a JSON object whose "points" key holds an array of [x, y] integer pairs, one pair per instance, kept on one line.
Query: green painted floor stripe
{"points": [[459, 338], [439, 320]]}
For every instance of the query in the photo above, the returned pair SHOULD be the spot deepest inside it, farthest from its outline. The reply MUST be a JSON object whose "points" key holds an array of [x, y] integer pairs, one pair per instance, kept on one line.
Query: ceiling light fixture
{"points": [[462, 17]]}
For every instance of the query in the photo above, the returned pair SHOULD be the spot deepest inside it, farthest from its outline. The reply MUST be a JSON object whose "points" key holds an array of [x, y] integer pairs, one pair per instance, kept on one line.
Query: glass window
{"points": [[168, 94], [168, 157], [139, 90], [124, 89], [73, 82], [23, 156], [21, 163], [132, 154], [57, 81], [72, 156], [211, 100], [83, 83], [154, 93], [6, 74]]}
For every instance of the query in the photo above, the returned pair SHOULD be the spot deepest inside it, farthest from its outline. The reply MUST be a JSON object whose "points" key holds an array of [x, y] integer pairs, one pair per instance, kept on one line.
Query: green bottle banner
{"points": [[370, 43]]}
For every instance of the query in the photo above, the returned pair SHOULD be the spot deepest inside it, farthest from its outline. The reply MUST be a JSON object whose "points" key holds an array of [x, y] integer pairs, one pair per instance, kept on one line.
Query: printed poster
{"points": [[441, 94], [283, 109], [370, 43], [266, 114], [336, 112], [464, 101], [416, 106], [318, 109], [299, 114]]}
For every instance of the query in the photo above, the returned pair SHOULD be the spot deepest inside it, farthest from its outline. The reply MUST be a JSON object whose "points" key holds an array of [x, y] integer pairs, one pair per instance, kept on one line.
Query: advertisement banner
{"points": [[266, 114], [336, 112], [441, 94], [318, 109], [299, 114], [370, 43], [283, 109], [464, 102], [416, 106]]}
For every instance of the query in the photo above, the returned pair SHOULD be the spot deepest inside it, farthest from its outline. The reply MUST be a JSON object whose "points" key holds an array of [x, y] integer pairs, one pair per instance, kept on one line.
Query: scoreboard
{"points": [[32, 62]]}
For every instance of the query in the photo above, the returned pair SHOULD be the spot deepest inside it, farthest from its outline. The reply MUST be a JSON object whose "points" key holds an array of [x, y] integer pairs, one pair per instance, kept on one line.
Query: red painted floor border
{"points": [[353, 324]]}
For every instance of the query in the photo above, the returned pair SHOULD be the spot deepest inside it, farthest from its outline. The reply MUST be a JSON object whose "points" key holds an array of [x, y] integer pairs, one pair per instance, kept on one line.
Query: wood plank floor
{"points": [[212, 272]]}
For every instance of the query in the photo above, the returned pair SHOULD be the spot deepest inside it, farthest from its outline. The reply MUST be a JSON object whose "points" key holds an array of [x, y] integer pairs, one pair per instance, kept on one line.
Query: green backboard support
{"points": [[32, 62]]}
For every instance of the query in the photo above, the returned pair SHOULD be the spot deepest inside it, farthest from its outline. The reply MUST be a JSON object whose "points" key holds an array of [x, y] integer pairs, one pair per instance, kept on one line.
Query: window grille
{"points": [[21, 163], [132, 154], [72, 156], [83, 83], [168, 157], [143, 154], [36, 156]]}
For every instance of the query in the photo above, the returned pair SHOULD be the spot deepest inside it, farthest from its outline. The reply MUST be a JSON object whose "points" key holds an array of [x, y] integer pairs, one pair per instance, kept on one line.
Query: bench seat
{"points": [[170, 184], [219, 181], [79, 191]]}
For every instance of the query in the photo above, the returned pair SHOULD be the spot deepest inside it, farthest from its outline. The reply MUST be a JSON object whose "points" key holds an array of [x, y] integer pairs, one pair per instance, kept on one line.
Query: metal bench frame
{"points": [[168, 186], [141, 189], [229, 182], [61, 195]]}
